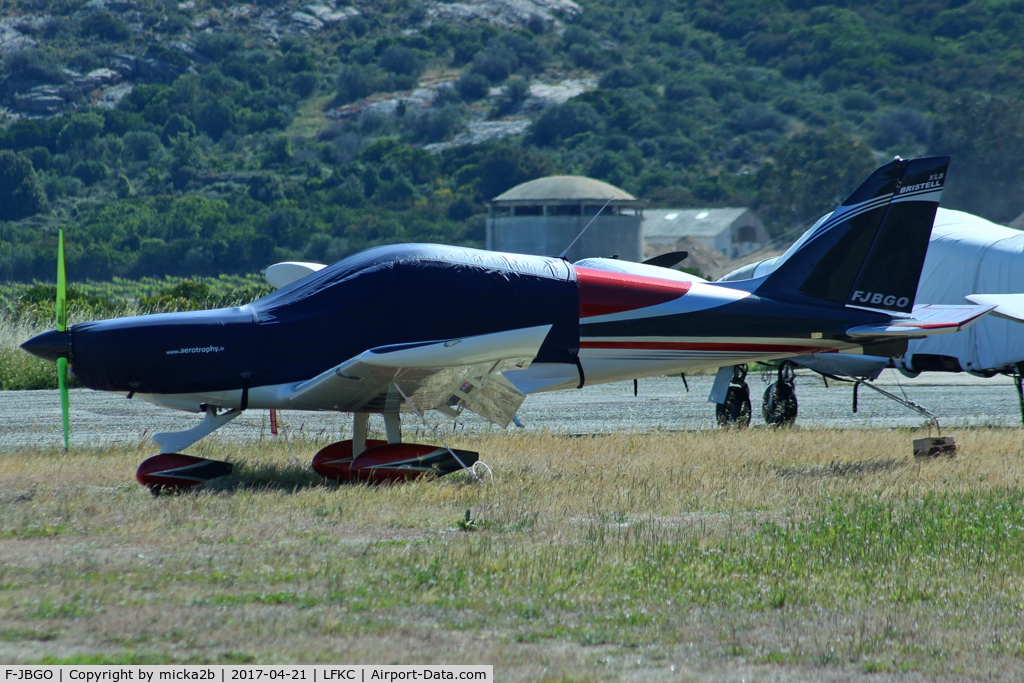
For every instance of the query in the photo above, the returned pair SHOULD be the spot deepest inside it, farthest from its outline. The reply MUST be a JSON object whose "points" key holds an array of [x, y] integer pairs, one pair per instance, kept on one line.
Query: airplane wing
{"points": [[925, 320], [1009, 306], [447, 375]]}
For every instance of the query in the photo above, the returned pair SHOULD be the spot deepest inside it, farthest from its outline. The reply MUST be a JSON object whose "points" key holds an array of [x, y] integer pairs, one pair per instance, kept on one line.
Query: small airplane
{"points": [[418, 327]]}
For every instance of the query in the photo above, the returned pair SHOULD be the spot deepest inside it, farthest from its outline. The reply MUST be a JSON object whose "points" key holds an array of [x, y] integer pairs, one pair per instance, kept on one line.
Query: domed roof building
{"points": [[564, 188], [545, 215]]}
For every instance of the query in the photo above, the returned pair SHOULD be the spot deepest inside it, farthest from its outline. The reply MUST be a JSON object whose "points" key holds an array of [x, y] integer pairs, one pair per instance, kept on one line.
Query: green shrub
{"points": [[217, 46], [473, 86], [560, 121], [89, 171], [140, 145], [401, 60], [105, 26], [20, 370], [176, 125], [80, 129], [21, 195], [34, 65], [40, 158]]}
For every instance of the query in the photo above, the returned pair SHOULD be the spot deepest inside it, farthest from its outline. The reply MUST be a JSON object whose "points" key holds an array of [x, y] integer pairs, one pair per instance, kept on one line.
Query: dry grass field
{"points": [[720, 556]]}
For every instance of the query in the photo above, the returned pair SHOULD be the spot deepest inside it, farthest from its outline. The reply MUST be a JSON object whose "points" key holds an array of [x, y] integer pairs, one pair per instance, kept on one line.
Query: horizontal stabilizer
{"points": [[1009, 306], [926, 320]]}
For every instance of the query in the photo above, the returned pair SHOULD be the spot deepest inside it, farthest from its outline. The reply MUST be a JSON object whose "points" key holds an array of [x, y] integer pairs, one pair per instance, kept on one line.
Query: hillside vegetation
{"points": [[206, 137]]}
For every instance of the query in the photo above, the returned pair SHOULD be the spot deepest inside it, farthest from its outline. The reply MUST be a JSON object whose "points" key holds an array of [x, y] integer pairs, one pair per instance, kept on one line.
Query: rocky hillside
{"points": [[209, 136]]}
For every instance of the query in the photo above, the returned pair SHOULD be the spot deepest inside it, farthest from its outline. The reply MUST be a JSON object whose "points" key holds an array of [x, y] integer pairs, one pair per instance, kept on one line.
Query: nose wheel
{"points": [[176, 472]]}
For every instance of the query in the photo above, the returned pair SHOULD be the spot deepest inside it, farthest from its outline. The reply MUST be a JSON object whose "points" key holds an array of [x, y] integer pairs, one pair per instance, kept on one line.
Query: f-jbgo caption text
{"points": [[335, 673]]}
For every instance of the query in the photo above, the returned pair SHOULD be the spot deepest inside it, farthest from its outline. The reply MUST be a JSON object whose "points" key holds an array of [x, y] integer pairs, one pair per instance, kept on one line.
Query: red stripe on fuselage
{"points": [[603, 292], [702, 346]]}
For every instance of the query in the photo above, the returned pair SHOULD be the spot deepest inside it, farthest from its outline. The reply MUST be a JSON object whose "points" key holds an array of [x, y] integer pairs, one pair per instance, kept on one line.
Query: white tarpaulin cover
{"points": [[970, 255]]}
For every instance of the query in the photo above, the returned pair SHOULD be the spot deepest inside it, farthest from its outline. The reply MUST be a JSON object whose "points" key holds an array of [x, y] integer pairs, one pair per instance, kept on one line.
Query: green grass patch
{"points": [[34, 531], [75, 607], [127, 657], [303, 601], [10, 635], [778, 657]]}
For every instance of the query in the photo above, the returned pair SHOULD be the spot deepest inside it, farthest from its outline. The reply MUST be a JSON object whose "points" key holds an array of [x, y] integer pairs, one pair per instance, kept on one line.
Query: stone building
{"points": [[544, 216]]}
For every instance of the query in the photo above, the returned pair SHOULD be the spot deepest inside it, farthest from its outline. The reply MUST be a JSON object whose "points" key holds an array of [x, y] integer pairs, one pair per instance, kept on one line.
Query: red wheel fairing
{"points": [[383, 462], [175, 471]]}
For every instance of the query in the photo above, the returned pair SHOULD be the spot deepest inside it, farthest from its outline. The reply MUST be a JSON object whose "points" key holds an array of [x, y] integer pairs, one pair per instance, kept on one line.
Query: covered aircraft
{"points": [[419, 327]]}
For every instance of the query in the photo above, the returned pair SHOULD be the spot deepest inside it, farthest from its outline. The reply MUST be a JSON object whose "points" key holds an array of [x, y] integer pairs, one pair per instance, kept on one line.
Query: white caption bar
{"points": [[335, 673]]}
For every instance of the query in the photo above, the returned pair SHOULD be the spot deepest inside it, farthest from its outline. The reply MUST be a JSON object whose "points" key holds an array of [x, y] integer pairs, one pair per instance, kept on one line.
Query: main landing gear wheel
{"points": [[389, 462], [376, 461], [173, 472], [780, 407], [735, 410]]}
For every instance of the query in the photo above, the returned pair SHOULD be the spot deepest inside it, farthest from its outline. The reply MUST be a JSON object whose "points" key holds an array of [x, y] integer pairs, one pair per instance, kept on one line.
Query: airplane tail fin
{"points": [[870, 251]]}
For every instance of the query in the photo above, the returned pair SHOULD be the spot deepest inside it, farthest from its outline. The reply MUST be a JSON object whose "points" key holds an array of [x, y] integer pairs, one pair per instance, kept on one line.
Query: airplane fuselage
{"points": [[606, 326]]}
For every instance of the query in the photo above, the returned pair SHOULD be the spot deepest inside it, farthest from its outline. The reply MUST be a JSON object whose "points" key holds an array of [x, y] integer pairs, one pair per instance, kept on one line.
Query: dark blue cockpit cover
{"points": [[418, 292], [386, 295]]}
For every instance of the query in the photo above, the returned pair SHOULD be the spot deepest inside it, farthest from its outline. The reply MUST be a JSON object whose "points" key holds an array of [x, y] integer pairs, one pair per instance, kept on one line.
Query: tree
{"points": [[812, 172], [33, 64], [215, 117], [176, 125], [622, 77], [611, 166], [495, 64], [902, 126], [265, 187], [123, 189], [89, 171], [80, 129], [435, 124], [186, 156], [473, 86], [279, 151], [105, 26], [401, 60], [506, 167], [985, 137], [217, 46], [140, 145], [356, 82], [20, 192], [560, 121]]}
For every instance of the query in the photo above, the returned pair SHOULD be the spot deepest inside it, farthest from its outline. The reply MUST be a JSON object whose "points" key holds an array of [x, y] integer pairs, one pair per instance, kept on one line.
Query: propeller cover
{"points": [[50, 345]]}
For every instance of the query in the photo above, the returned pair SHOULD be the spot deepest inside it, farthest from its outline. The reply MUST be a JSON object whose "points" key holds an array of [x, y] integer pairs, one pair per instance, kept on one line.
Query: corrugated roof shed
{"points": [[674, 224]]}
